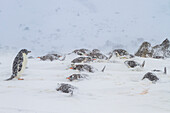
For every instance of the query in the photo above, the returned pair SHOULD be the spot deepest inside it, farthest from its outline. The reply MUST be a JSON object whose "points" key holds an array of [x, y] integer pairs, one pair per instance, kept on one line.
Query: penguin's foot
{"points": [[20, 79]]}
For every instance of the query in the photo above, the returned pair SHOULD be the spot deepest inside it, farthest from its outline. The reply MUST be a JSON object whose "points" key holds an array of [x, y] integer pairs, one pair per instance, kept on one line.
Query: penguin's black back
{"points": [[17, 64]]}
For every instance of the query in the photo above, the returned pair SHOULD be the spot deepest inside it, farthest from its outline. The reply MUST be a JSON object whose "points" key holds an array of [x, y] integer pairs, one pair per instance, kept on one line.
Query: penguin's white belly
{"points": [[24, 63]]}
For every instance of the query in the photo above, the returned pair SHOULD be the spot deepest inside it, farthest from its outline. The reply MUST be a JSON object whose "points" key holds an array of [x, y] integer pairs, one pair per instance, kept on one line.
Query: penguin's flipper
{"points": [[20, 79], [143, 64], [103, 69], [9, 78], [110, 56], [165, 71], [126, 63]]}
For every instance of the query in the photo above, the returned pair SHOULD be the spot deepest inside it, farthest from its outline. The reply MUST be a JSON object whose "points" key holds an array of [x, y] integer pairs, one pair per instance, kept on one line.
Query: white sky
{"points": [[62, 25]]}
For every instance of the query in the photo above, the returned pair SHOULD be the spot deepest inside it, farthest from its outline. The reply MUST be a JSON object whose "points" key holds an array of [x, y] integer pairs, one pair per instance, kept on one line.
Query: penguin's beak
{"points": [[71, 67], [29, 51], [68, 78]]}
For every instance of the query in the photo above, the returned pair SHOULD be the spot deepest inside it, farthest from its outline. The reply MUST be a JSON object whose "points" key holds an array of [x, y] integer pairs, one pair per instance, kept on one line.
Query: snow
{"points": [[117, 90]]}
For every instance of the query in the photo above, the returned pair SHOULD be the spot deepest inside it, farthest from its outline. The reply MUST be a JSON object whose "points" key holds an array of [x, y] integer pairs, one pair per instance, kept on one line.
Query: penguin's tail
{"points": [[9, 78]]}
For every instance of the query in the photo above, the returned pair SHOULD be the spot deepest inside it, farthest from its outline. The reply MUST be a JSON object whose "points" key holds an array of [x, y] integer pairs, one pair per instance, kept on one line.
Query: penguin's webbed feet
{"points": [[20, 79]]}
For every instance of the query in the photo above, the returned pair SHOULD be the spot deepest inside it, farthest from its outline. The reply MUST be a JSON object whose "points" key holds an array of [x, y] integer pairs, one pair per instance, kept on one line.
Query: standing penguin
{"points": [[19, 64]]}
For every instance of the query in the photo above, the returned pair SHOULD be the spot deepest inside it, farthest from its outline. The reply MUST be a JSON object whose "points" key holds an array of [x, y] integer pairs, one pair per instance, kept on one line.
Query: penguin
{"points": [[122, 54], [76, 77], [85, 67], [95, 51], [50, 57], [66, 88], [81, 52], [82, 60], [164, 72], [133, 64], [152, 77], [98, 56], [19, 64]]}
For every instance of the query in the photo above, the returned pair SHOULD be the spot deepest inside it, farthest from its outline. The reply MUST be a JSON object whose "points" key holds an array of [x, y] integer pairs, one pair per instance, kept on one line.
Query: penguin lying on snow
{"points": [[76, 77], [51, 57], [133, 64], [85, 67], [81, 51], [95, 51], [98, 56], [82, 60], [164, 72], [121, 53], [158, 57], [95, 54], [66, 88], [19, 64], [152, 77]]}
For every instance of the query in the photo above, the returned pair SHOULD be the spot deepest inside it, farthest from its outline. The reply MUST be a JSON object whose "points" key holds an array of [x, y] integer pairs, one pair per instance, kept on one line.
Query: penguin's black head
{"points": [[25, 51]]}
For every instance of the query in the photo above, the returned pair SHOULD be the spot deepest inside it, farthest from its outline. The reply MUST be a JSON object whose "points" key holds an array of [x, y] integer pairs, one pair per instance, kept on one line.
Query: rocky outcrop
{"points": [[162, 50], [159, 51]]}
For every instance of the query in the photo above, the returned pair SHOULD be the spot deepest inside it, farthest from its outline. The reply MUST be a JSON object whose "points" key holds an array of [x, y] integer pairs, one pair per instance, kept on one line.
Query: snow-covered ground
{"points": [[117, 90]]}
